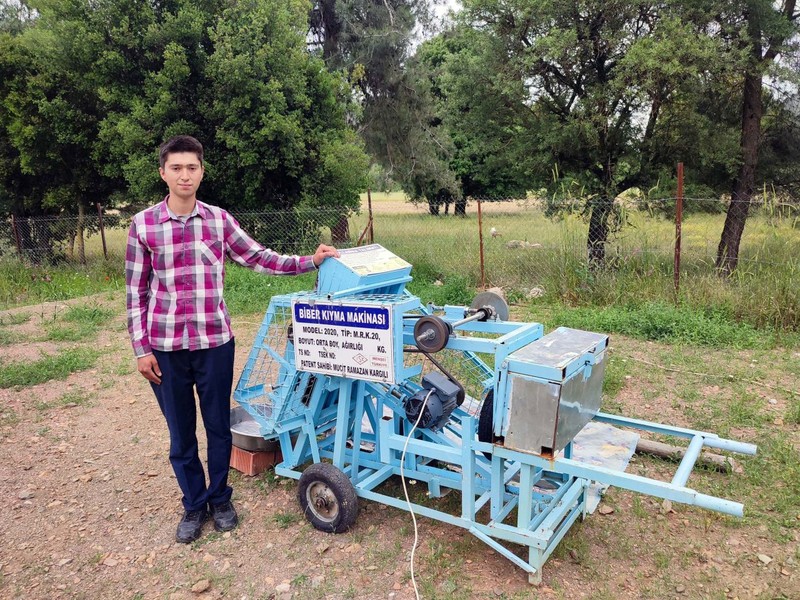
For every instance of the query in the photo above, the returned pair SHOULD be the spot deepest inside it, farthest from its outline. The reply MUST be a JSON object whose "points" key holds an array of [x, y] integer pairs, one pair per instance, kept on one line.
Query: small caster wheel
{"points": [[328, 498]]}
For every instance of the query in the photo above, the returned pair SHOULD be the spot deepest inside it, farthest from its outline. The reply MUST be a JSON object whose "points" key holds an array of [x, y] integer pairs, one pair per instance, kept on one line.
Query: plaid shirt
{"points": [[174, 275]]}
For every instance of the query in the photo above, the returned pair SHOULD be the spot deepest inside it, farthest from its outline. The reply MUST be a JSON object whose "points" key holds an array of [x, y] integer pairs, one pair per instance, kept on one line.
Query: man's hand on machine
{"points": [[324, 252], [148, 367]]}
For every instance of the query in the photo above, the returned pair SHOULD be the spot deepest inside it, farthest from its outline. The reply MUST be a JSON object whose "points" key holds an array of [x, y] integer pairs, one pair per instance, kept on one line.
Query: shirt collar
{"points": [[165, 212]]}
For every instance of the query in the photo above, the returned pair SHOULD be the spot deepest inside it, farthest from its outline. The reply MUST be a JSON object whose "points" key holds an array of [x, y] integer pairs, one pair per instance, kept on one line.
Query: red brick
{"points": [[253, 463]]}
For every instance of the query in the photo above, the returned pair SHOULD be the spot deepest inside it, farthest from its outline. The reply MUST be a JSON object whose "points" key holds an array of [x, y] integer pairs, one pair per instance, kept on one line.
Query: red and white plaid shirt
{"points": [[174, 275]]}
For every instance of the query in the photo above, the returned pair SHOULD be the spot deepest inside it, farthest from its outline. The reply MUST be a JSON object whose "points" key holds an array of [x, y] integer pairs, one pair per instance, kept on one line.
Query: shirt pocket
{"points": [[211, 252]]}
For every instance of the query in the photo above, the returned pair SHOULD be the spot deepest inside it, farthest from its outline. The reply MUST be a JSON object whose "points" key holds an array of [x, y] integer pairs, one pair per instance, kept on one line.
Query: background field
{"points": [[532, 257]]}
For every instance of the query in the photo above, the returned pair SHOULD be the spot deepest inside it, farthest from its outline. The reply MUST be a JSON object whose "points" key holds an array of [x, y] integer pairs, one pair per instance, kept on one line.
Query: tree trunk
{"points": [[433, 208], [460, 209], [598, 232], [340, 233], [79, 238], [71, 246], [752, 113], [332, 26], [744, 184]]}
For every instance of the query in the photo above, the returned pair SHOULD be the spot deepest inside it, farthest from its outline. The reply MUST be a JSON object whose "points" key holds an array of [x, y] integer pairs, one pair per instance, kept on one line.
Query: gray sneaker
{"points": [[225, 517], [191, 526]]}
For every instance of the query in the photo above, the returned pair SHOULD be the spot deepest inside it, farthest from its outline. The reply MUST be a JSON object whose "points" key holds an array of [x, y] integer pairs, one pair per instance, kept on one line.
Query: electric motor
{"points": [[437, 400]]}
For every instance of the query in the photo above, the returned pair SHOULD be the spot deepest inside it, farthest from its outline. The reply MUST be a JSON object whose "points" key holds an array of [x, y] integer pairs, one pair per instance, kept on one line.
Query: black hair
{"points": [[179, 143]]}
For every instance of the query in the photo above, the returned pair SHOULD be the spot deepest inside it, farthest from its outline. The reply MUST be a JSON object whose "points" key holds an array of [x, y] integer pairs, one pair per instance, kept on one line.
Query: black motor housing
{"points": [[442, 399]]}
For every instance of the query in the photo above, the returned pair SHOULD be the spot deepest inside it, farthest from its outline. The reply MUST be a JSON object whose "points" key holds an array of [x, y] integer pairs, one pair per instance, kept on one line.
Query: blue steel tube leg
{"points": [[357, 425], [498, 486], [525, 506], [535, 560], [468, 466], [342, 423]]}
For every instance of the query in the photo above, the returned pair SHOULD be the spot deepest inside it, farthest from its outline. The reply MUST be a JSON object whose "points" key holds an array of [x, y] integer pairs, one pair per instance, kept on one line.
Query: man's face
{"points": [[182, 173]]}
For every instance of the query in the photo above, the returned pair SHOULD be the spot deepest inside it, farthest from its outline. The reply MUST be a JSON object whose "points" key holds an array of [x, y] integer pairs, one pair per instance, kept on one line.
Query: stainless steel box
{"points": [[554, 387]]}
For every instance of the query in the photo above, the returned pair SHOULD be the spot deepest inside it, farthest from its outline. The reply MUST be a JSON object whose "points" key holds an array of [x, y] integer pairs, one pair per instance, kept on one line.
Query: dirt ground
{"points": [[90, 507]]}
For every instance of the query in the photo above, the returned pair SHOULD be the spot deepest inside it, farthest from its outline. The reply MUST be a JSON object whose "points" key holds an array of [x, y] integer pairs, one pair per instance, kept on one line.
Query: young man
{"points": [[180, 328]]}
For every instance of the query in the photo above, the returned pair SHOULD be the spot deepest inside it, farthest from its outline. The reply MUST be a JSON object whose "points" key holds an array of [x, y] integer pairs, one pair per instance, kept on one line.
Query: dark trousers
{"points": [[211, 371]]}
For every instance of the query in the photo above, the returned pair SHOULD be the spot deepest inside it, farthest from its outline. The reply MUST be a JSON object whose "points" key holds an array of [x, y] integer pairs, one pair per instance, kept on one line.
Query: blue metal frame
{"points": [[360, 426]]}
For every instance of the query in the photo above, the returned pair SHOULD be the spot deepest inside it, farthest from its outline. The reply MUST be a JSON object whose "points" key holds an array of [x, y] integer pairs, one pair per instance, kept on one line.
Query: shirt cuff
{"points": [[141, 347], [307, 264]]}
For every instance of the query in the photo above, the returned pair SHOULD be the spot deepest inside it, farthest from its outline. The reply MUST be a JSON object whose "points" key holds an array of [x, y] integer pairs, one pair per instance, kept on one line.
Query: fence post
{"points": [[480, 242], [102, 229], [369, 207], [16, 234], [678, 221]]}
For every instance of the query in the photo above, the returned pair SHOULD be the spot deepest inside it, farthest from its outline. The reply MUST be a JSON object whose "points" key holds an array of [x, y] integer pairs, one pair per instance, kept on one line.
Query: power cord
{"points": [[405, 490]]}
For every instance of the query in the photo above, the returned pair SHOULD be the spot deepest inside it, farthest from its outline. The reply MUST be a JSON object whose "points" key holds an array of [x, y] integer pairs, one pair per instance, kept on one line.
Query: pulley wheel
{"points": [[494, 302], [431, 333]]}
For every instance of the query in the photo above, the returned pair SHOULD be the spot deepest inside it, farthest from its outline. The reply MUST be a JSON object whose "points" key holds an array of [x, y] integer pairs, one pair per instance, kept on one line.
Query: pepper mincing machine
{"points": [[341, 376]]}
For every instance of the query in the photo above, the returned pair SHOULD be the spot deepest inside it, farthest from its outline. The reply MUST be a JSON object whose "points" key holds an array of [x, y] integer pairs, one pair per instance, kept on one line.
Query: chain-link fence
{"points": [[529, 247]]}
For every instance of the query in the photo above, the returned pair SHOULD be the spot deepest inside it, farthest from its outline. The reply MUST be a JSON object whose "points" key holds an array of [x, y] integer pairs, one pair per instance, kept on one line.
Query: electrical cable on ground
{"points": [[405, 490]]}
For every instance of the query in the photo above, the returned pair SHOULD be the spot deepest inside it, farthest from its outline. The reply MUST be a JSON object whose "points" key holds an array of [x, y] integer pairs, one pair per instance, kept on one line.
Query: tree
{"points": [[369, 41], [485, 131], [762, 29], [52, 110], [598, 77], [279, 117], [92, 88]]}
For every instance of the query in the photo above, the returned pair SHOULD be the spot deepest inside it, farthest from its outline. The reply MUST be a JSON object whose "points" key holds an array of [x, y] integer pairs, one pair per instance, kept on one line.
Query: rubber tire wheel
{"points": [[486, 423], [335, 508]]}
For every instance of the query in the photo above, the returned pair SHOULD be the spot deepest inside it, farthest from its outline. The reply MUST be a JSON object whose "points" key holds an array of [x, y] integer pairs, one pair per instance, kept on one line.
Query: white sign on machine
{"points": [[343, 340]]}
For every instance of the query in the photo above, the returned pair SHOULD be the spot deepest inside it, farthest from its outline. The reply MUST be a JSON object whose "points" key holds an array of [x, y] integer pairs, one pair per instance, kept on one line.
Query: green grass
{"points": [[659, 321], [770, 485], [8, 338], [763, 293], [248, 292], [72, 398], [21, 284], [17, 319], [57, 366], [69, 333], [82, 322], [792, 416], [285, 519], [88, 315], [11, 337], [639, 267]]}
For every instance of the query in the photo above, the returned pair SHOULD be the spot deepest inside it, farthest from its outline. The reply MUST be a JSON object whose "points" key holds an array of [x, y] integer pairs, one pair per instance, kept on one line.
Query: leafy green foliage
{"points": [[82, 322], [57, 366], [485, 132], [20, 284], [280, 128], [664, 322], [89, 91], [368, 42]]}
